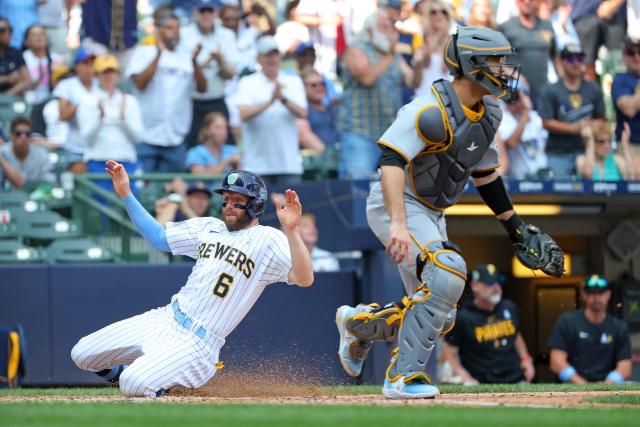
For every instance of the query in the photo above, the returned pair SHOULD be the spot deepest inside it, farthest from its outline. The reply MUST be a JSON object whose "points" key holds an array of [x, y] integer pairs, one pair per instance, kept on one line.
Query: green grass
{"points": [[497, 388], [158, 415], [616, 399], [77, 391]]}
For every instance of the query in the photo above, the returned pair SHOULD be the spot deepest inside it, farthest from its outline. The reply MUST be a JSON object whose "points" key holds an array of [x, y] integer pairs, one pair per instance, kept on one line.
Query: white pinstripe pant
{"points": [[160, 353]]}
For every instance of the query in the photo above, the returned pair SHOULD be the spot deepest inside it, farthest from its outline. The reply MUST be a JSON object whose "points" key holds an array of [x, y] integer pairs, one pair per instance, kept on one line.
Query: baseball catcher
{"points": [[437, 142]]}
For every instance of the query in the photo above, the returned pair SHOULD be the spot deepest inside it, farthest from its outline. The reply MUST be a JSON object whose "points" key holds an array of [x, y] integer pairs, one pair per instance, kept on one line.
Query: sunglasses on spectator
{"points": [[595, 282], [575, 59], [235, 205], [231, 18], [603, 141], [632, 52], [22, 133], [206, 10], [316, 84], [438, 11], [4, 30]]}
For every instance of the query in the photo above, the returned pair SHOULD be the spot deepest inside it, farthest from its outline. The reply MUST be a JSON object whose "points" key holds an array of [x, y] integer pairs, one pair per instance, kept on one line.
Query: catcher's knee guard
{"points": [[443, 274], [449, 322]]}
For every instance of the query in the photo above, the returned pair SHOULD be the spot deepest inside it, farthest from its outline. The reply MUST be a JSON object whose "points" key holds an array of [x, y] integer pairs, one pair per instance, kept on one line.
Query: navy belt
{"points": [[184, 320]]}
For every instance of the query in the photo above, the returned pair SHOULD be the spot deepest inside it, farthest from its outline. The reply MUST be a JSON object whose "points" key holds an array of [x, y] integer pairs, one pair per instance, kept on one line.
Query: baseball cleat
{"points": [[112, 375], [351, 350], [416, 389]]}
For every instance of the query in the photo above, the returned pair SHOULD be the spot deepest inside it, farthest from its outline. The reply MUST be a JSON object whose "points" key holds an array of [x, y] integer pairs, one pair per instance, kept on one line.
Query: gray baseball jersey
{"points": [[443, 142]]}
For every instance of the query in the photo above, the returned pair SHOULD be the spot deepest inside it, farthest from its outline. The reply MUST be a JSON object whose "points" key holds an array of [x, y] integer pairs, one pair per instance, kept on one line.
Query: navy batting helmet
{"points": [[249, 184]]}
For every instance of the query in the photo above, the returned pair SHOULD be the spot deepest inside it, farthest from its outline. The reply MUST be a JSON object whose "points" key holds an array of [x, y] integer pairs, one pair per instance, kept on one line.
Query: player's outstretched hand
{"points": [[288, 210], [399, 246], [119, 177]]}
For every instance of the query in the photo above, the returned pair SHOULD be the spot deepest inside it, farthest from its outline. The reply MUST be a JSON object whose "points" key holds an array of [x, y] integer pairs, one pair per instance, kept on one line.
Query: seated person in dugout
{"points": [[485, 344], [589, 344]]}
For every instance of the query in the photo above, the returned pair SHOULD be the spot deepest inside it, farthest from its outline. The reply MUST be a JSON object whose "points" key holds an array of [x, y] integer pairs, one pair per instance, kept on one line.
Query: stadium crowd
{"points": [[204, 86]]}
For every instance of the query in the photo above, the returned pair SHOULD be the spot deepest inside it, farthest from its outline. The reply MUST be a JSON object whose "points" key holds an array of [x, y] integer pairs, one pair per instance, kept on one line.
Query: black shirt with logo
{"points": [[559, 103], [10, 61], [593, 350], [486, 342]]}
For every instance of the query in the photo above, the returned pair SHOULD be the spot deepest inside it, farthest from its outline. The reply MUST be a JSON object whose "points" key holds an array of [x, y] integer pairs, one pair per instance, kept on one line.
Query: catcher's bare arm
{"points": [[534, 249]]}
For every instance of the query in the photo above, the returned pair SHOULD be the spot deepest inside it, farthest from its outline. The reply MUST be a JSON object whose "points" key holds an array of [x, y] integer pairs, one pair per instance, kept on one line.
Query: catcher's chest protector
{"points": [[439, 178]]}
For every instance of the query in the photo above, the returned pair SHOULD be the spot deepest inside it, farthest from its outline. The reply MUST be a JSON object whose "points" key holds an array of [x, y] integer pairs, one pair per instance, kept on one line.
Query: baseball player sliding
{"points": [[179, 344], [434, 146]]}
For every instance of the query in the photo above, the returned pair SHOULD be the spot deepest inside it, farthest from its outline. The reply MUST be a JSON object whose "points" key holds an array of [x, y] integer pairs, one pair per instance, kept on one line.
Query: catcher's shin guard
{"points": [[444, 275]]}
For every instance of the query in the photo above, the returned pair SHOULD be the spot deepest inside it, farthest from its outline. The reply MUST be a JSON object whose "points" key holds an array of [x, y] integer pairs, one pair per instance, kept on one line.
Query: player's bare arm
{"points": [[289, 213], [558, 362], [393, 181], [623, 367], [526, 362], [451, 355]]}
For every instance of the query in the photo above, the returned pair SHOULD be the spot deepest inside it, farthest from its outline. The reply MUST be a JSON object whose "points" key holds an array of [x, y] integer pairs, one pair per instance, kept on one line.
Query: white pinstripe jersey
{"points": [[231, 271]]}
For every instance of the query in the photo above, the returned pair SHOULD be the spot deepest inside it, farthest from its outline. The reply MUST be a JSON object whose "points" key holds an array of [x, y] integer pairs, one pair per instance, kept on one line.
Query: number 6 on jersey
{"points": [[221, 288]]}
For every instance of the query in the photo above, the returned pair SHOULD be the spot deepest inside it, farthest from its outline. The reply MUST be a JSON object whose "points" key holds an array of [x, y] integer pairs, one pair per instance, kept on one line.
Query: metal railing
{"points": [[101, 212]]}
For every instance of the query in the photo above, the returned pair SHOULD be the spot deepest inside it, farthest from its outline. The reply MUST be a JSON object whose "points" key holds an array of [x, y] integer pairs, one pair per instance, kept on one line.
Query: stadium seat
{"points": [[81, 250], [13, 199], [9, 230], [15, 252], [10, 107], [40, 227]]}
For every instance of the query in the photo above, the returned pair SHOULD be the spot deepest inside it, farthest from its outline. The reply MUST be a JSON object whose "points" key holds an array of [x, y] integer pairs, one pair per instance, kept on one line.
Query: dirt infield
{"points": [[264, 384], [307, 396]]}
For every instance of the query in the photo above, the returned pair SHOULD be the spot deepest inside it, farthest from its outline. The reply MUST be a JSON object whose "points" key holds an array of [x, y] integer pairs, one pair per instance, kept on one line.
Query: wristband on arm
{"points": [[147, 225], [615, 377], [567, 373]]}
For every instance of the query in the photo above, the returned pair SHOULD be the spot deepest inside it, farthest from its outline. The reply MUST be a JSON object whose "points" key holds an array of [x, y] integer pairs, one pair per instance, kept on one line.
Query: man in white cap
{"points": [[269, 102], [217, 58]]}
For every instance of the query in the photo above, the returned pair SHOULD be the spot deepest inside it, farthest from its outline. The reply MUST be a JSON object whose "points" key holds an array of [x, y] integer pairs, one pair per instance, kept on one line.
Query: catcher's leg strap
{"points": [[444, 275], [377, 324]]}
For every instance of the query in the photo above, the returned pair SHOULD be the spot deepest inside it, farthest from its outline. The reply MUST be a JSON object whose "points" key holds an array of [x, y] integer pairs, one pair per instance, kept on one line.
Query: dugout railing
{"points": [[101, 212]]}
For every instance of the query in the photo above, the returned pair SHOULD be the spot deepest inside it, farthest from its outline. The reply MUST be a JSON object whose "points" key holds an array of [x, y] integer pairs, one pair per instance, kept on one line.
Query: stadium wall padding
{"points": [[290, 329]]}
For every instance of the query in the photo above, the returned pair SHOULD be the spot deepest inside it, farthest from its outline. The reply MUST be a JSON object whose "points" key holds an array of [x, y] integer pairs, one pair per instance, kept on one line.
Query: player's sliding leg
{"points": [[108, 350], [443, 272], [172, 360]]}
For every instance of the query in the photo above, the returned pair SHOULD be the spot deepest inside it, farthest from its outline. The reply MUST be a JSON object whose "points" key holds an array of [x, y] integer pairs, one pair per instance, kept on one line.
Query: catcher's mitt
{"points": [[538, 251]]}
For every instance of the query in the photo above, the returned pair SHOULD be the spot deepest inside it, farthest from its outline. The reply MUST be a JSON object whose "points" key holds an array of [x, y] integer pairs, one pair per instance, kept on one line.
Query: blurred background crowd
{"points": [[285, 87]]}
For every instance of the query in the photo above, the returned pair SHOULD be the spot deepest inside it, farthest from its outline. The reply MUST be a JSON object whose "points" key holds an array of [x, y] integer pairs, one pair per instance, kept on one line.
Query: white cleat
{"points": [[415, 390], [351, 350]]}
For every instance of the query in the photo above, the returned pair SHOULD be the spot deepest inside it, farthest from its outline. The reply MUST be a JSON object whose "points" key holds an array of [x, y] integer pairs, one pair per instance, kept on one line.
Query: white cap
{"points": [[267, 44]]}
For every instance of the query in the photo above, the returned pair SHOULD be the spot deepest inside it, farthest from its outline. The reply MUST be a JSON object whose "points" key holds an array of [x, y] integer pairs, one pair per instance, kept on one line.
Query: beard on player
{"points": [[236, 221]]}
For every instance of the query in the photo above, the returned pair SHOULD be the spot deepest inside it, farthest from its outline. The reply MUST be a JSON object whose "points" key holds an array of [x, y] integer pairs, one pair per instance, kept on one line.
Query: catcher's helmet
{"points": [[249, 184], [466, 53]]}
